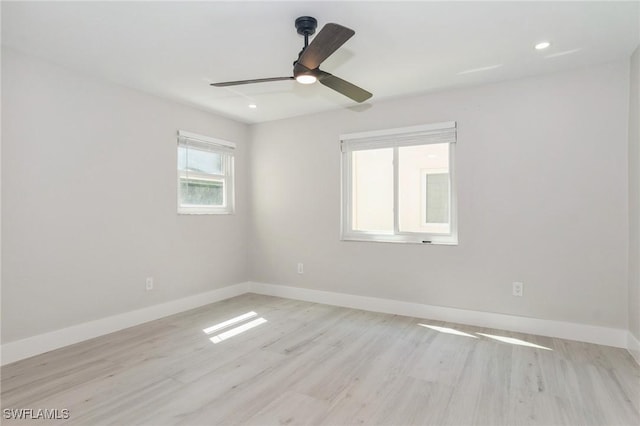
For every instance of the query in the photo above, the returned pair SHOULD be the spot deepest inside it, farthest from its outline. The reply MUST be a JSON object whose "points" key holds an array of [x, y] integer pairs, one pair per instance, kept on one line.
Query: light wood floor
{"points": [[318, 364]]}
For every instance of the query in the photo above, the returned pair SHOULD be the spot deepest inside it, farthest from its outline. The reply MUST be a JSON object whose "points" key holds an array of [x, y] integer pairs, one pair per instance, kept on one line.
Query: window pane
{"points": [[424, 196], [199, 161], [437, 198], [372, 190], [199, 192]]}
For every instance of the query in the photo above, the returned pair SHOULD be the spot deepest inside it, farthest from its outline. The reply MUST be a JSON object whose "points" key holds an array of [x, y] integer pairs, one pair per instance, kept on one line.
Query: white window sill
{"points": [[448, 241], [201, 212]]}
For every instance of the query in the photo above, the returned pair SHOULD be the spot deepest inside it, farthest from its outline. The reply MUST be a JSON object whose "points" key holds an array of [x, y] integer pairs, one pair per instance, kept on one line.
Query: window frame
{"points": [[226, 151], [445, 132]]}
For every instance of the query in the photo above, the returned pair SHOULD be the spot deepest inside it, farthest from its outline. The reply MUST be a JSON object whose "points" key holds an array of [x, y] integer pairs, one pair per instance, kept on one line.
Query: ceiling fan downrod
{"points": [[306, 26]]}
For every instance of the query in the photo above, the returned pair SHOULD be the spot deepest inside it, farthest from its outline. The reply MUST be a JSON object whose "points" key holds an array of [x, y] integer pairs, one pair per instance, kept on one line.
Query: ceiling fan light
{"points": [[306, 79]]}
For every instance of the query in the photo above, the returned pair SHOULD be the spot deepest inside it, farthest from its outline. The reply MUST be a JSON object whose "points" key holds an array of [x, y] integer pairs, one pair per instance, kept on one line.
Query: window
{"points": [[205, 174], [398, 185]]}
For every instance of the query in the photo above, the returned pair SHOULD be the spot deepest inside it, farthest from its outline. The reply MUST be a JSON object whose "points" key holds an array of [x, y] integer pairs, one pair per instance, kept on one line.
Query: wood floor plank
{"points": [[290, 408], [308, 363]]}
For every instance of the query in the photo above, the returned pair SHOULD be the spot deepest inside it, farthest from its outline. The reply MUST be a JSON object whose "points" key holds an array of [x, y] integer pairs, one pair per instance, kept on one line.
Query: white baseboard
{"points": [[25, 348], [565, 330], [633, 346]]}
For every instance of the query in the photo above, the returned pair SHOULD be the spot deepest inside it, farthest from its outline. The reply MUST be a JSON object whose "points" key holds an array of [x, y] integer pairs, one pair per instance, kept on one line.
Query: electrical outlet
{"points": [[518, 289], [300, 268], [149, 284]]}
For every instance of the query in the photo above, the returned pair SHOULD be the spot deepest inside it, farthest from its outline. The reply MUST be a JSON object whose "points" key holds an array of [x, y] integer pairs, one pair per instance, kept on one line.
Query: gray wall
{"points": [[634, 196], [542, 189], [89, 201]]}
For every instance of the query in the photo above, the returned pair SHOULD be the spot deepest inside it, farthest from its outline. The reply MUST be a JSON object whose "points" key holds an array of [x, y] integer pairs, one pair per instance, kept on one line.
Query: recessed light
{"points": [[253, 106], [542, 45]]}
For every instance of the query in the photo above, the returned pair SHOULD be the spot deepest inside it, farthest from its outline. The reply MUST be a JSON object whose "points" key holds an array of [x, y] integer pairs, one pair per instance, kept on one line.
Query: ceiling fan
{"points": [[306, 68]]}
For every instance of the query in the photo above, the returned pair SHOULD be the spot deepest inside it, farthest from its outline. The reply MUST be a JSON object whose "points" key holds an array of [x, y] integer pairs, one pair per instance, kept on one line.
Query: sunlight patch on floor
{"points": [[503, 339], [235, 331], [514, 341], [227, 323], [447, 330]]}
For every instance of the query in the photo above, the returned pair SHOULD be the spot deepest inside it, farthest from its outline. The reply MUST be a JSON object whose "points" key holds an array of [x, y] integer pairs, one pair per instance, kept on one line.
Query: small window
{"points": [[205, 174], [398, 185]]}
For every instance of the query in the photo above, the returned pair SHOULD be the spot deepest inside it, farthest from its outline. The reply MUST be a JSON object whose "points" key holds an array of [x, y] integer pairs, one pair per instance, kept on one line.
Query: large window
{"points": [[205, 174], [398, 185]]}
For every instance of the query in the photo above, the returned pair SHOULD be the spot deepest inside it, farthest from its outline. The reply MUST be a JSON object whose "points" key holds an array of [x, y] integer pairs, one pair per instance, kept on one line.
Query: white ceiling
{"points": [[175, 49]]}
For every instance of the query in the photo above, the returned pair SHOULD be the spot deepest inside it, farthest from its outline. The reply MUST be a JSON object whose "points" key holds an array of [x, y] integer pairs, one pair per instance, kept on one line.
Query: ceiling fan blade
{"points": [[258, 80], [328, 40], [344, 87]]}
